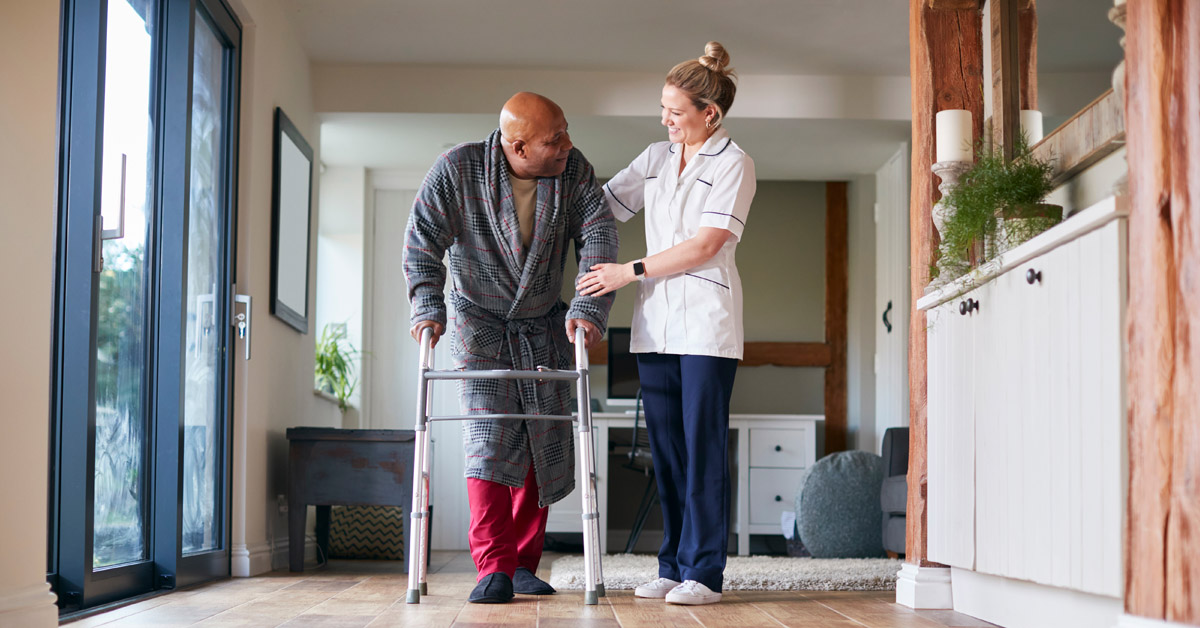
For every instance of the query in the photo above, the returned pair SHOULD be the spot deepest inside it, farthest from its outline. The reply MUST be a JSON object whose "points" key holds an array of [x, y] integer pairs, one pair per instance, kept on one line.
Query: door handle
{"points": [[886, 322], [119, 232], [241, 321]]}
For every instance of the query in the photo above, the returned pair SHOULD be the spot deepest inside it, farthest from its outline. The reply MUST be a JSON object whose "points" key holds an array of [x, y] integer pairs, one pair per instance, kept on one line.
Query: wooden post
{"points": [[946, 61], [1006, 83], [1027, 34], [837, 278], [1162, 114]]}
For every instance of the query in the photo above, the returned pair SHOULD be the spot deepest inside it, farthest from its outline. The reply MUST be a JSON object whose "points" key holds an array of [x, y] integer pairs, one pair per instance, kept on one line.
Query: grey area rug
{"points": [[744, 573]]}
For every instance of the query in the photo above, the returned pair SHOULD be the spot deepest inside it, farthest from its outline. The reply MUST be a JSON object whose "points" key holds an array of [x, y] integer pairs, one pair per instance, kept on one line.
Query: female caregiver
{"points": [[687, 321]]}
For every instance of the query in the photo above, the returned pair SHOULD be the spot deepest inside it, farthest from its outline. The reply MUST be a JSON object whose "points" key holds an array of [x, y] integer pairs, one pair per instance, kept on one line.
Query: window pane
{"points": [[204, 365], [120, 465]]}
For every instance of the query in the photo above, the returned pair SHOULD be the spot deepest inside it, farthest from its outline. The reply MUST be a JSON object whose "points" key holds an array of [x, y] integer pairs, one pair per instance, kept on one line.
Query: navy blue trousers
{"points": [[687, 417]]}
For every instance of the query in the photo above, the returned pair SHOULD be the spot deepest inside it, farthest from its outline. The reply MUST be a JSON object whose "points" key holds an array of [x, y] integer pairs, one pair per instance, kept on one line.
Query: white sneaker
{"points": [[692, 592], [655, 588]]}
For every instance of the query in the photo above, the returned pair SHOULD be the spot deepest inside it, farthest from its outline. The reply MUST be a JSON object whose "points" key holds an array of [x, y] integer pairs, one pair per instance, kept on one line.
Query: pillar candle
{"points": [[1031, 124], [954, 135]]}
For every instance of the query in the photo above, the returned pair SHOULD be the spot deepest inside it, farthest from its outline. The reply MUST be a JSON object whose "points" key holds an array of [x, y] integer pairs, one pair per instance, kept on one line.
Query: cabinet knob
{"points": [[778, 448], [972, 305], [778, 498], [962, 308], [1033, 276]]}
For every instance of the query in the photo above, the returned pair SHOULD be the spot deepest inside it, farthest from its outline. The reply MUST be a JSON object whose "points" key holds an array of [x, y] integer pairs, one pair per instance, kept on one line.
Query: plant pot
{"points": [[1022, 222], [1032, 210]]}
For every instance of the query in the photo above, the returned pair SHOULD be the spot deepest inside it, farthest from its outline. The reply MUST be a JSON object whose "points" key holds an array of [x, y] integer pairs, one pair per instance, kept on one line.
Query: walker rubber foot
{"points": [[600, 590], [590, 598], [424, 588], [414, 596]]}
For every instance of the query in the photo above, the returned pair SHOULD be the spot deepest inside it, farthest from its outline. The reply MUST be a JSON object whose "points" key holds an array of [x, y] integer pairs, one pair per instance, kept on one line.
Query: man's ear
{"points": [[518, 147]]}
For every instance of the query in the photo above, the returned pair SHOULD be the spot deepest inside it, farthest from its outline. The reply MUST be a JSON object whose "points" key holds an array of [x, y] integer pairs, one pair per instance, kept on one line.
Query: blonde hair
{"points": [[707, 80]]}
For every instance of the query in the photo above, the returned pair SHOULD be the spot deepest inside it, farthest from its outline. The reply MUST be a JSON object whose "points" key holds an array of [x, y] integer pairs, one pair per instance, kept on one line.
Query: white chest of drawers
{"points": [[773, 452]]}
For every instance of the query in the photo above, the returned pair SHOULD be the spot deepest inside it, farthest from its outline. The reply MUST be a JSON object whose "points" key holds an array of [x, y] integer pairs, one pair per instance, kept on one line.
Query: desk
{"points": [[773, 450]]}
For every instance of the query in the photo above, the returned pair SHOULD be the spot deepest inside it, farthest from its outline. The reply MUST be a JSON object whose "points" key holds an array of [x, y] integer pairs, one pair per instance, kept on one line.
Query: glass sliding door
{"points": [[209, 239], [120, 516], [143, 298]]}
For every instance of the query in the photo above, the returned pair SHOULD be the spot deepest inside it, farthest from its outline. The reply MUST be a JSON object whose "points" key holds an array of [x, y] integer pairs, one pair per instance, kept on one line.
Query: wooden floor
{"points": [[368, 593]]}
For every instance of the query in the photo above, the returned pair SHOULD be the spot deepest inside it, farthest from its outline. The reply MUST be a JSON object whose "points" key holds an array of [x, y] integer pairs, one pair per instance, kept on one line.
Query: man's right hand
{"points": [[438, 330]]}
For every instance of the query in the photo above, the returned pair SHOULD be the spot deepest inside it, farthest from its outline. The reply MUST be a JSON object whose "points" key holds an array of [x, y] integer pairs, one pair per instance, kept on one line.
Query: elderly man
{"points": [[507, 210]]}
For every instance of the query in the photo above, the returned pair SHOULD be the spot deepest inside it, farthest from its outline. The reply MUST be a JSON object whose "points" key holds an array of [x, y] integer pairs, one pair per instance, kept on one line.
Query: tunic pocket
{"points": [[714, 278]]}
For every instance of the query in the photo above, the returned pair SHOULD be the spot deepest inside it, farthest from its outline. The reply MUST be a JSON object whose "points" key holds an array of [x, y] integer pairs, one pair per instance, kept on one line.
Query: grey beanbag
{"points": [[837, 506]]}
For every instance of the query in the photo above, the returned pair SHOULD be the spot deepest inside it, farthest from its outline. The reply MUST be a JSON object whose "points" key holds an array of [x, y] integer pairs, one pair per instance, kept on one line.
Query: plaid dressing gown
{"points": [[509, 314]]}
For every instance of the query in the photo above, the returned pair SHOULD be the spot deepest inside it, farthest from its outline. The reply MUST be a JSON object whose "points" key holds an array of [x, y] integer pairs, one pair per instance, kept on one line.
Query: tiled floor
{"points": [[366, 593]]}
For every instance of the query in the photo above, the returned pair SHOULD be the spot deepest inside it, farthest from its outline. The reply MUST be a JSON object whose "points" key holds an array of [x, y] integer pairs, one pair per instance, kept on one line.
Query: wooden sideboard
{"points": [[773, 450]]}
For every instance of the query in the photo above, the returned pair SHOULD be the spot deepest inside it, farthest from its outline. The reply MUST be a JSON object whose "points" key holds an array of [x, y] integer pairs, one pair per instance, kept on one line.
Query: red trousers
{"points": [[507, 526]]}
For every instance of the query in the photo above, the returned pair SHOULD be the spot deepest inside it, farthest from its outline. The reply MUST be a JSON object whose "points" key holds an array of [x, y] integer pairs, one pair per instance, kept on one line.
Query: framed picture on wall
{"points": [[291, 211]]}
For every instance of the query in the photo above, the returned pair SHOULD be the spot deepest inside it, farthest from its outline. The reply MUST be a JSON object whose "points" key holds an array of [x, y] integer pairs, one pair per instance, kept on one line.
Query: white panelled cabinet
{"points": [[1026, 410]]}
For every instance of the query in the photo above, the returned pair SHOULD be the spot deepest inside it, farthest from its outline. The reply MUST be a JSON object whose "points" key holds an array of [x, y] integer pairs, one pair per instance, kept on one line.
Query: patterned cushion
{"points": [[375, 532]]}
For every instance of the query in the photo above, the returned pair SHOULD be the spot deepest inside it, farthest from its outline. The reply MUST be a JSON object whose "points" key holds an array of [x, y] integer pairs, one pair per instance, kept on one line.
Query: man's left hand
{"points": [[591, 335]]}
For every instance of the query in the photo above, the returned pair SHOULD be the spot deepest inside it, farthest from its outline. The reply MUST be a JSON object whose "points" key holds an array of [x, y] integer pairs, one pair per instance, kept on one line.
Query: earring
{"points": [[709, 123]]}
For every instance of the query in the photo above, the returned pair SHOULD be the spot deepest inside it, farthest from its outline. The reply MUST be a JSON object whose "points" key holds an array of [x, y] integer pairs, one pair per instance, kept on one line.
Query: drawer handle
{"points": [[1033, 276], [778, 448], [962, 308], [778, 498]]}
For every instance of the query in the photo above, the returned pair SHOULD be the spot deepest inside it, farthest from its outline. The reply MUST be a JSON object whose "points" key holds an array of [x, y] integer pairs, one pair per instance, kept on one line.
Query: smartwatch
{"points": [[639, 270]]}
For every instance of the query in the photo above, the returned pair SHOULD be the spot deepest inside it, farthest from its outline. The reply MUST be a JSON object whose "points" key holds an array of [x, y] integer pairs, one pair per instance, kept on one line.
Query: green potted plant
{"points": [[335, 364], [997, 203]]}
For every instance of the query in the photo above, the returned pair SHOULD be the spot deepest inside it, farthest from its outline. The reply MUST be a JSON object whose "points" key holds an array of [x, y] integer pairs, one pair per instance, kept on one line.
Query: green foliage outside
{"points": [[335, 364], [995, 189]]}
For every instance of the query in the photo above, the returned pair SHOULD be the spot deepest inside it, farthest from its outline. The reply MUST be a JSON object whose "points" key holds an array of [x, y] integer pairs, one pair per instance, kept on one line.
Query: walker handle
{"points": [[581, 354], [426, 346]]}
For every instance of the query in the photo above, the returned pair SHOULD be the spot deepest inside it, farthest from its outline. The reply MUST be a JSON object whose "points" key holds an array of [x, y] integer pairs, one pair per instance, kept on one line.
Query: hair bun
{"points": [[715, 57]]}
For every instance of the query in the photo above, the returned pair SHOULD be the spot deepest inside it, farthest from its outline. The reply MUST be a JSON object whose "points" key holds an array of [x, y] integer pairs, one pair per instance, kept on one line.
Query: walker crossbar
{"points": [[548, 374], [529, 417], [593, 570]]}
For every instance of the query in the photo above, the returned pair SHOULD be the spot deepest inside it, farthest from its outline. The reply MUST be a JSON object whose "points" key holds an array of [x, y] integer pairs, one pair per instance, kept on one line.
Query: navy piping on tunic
{"points": [[618, 200], [704, 182], [671, 149], [727, 143], [708, 280], [725, 214]]}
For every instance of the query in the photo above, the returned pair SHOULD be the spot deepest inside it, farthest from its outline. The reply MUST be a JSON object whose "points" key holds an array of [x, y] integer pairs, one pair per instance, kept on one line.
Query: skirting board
{"points": [[256, 559], [924, 587], [1134, 621], [1022, 604], [32, 605]]}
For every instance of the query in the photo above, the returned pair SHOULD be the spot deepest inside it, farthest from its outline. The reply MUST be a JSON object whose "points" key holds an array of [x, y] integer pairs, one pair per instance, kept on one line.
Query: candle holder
{"points": [[949, 172]]}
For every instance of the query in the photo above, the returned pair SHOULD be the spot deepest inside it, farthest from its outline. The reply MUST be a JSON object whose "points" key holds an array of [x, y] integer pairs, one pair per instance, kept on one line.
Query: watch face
{"points": [[639, 268]]}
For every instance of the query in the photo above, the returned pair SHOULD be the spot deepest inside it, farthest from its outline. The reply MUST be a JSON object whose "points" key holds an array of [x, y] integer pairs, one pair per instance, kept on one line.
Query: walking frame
{"points": [[419, 529]]}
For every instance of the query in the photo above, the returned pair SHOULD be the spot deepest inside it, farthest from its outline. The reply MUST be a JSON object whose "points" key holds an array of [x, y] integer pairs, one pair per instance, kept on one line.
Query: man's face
{"points": [[547, 149]]}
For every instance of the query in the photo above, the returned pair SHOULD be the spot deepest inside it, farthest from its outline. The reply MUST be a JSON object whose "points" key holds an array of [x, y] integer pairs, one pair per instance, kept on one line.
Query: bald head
{"points": [[535, 138]]}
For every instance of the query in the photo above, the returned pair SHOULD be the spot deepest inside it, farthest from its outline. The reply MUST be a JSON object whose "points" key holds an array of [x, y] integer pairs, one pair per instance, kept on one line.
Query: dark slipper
{"points": [[525, 583], [494, 588]]}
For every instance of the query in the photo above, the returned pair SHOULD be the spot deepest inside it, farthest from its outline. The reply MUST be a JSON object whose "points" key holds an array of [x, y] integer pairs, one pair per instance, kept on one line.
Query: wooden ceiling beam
{"points": [[956, 5]]}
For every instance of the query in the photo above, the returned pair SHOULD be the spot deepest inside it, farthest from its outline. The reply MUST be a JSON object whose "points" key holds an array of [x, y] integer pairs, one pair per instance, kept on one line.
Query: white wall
{"points": [[29, 40], [397, 88], [861, 317], [1092, 185], [274, 390]]}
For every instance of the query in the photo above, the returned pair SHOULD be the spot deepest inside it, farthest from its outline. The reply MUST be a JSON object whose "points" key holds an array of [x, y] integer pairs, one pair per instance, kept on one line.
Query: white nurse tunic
{"points": [[698, 311]]}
